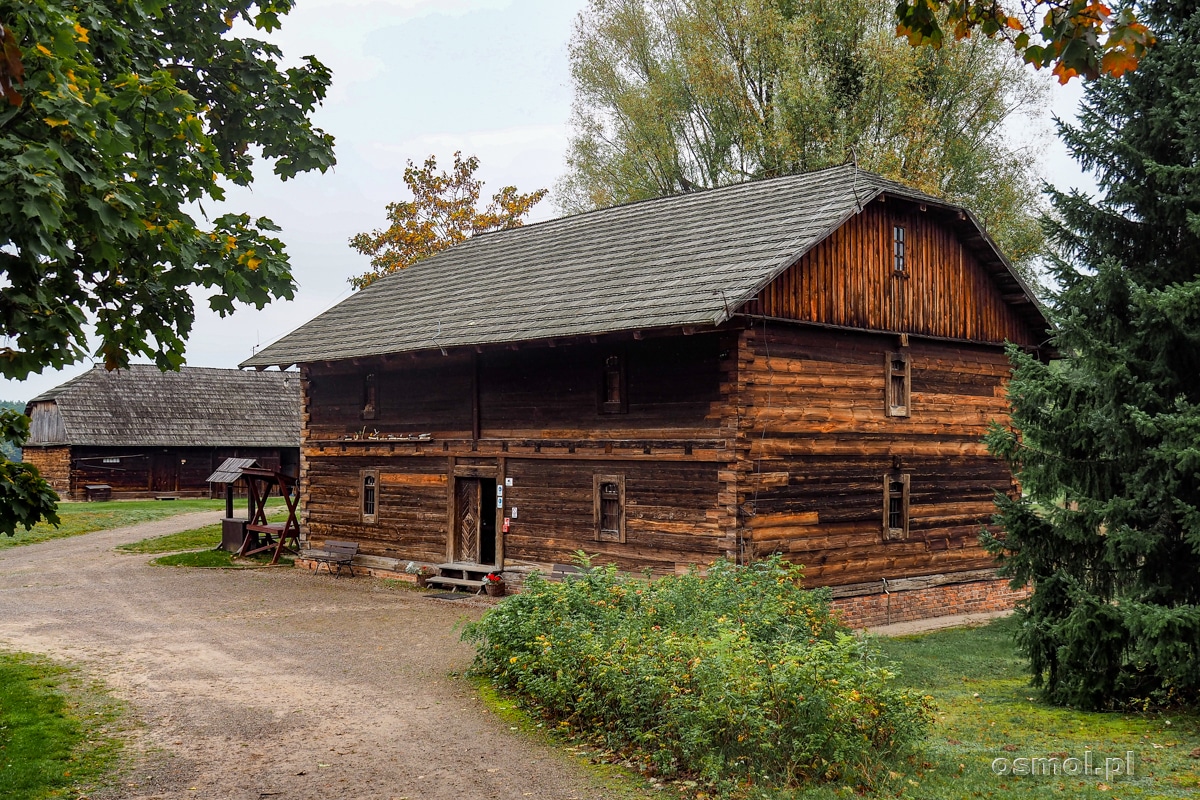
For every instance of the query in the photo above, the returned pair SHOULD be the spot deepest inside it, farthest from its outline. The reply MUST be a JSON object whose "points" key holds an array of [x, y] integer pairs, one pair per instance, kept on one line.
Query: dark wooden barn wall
{"points": [[817, 444], [673, 384], [539, 392], [149, 471], [848, 280]]}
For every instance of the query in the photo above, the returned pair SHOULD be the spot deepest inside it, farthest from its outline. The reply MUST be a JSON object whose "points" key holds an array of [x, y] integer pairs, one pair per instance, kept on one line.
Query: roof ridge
{"points": [[705, 191]]}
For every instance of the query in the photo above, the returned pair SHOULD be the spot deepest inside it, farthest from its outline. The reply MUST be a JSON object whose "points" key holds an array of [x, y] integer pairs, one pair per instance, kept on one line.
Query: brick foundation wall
{"points": [[973, 597]]}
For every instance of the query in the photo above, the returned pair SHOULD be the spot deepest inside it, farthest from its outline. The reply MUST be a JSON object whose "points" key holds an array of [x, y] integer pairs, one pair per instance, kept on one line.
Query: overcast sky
{"points": [[413, 78]]}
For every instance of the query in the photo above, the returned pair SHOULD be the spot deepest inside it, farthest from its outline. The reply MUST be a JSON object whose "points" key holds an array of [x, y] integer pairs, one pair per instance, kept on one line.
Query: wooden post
{"points": [[474, 398]]}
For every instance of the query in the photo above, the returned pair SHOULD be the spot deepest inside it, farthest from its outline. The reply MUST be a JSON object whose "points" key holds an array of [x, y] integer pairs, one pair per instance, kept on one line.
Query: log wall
{"points": [[769, 439], [671, 517], [533, 393], [539, 423], [54, 463], [817, 444]]}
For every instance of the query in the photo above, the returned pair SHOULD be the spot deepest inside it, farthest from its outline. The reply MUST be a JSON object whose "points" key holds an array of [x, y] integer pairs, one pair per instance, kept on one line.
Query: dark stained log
{"points": [[819, 443]]}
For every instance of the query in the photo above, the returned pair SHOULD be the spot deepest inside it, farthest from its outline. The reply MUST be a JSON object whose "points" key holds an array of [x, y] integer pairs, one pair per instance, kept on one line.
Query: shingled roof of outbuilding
{"points": [[195, 407], [686, 260]]}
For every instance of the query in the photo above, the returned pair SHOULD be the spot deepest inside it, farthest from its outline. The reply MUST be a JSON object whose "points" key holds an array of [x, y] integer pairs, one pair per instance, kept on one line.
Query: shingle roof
{"points": [[195, 407], [690, 259]]}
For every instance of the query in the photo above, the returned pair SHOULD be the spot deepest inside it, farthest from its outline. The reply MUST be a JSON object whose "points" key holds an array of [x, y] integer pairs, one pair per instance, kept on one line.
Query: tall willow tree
{"points": [[677, 95]]}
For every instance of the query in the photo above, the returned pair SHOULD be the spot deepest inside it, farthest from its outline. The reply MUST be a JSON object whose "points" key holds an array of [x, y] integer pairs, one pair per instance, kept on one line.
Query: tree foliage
{"points": [[8, 448], [25, 497], [444, 211], [672, 97], [1072, 37], [118, 119], [1106, 443]]}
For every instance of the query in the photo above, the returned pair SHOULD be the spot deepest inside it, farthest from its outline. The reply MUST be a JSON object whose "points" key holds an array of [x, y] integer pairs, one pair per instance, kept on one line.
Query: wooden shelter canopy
{"points": [[230, 470], [691, 260]]}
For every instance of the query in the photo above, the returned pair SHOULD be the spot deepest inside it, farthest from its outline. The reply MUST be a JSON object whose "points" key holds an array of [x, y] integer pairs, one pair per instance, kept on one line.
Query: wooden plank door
{"points": [[467, 510], [164, 472]]}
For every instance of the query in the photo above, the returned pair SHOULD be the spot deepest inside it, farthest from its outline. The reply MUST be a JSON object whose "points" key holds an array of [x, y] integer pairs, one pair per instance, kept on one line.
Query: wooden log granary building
{"points": [[803, 365], [141, 432]]}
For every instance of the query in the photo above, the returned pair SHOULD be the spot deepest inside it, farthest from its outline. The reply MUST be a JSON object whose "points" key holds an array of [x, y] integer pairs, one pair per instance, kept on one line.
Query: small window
{"points": [[610, 507], [370, 407], [895, 506], [899, 265], [370, 495], [614, 398], [898, 373], [112, 460]]}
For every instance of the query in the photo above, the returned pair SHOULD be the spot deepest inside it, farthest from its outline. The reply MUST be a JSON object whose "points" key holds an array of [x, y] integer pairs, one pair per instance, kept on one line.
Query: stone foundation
{"points": [[886, 602]]}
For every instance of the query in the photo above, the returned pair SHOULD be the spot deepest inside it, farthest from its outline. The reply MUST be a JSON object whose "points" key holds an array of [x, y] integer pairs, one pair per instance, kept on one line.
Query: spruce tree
{"points": [[1105, 438]]}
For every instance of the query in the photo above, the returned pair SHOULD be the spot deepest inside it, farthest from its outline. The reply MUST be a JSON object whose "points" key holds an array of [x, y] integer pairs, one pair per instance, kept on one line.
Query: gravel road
{"points": [[273, 682]]}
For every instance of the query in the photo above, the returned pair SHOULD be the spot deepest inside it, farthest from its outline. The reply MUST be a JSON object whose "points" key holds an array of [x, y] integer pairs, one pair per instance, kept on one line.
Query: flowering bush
{"points": [[733, 679]]}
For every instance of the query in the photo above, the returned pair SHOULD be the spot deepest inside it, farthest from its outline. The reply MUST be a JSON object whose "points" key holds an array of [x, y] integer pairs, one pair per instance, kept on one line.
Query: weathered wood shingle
{"points": [[692, 259], [195, 407]]}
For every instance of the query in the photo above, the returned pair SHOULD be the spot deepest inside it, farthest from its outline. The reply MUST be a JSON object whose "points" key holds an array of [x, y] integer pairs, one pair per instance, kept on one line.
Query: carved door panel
{"points": [[467, 504]]}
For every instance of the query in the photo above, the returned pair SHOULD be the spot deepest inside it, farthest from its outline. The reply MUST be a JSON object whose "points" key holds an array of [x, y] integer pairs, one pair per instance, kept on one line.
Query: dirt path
{"points": [[275, 682]]}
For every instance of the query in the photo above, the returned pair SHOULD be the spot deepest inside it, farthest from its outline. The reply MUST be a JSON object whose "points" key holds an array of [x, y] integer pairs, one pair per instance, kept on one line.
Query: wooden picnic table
{"points": [[274, 535]]}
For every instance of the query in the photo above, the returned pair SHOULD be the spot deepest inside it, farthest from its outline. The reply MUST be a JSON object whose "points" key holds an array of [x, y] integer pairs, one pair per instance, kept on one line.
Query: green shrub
{"points": [[736, 678]]}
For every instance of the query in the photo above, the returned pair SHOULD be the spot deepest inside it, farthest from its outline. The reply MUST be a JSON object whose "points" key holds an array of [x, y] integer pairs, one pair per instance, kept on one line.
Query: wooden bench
{"points": [[335, 554], [560, 572]]}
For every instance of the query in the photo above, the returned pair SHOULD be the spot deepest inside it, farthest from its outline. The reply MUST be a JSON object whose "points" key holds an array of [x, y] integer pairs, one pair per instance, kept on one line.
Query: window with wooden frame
{"points": [[609, 492], [370, 495], [614, 394], [370, 406], [898, 373], [899, 255], [895, 506]]}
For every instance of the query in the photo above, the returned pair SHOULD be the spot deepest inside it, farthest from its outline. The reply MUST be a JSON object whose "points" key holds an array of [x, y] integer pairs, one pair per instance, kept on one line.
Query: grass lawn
{"points": [[197, 547], [220, 559], [987, 711], [56, 735], [80, 518]]}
